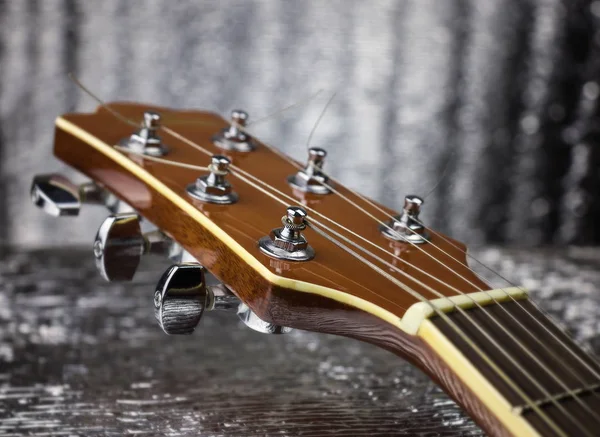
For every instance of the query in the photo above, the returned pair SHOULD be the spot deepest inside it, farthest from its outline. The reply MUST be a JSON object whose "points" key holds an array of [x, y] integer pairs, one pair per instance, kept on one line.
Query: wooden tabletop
{"points": [[81, 357]]}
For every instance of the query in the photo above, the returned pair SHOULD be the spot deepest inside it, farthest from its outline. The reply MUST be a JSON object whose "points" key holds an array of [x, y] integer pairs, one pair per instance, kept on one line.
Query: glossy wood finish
{"points": [[324, 315], [575, 370], [255, 215], [293, 304]]}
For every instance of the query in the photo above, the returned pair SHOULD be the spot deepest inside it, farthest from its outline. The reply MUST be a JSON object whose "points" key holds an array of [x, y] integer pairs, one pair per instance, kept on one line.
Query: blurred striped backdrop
{"points": [[502, 92]]}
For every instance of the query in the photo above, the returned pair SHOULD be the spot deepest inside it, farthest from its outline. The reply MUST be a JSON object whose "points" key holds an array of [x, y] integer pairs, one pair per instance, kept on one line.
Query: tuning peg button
{"points": [[235, 137], [406, 227], [182, 296], [252, 321], [58, 196], [55, 195], [120, 244]]}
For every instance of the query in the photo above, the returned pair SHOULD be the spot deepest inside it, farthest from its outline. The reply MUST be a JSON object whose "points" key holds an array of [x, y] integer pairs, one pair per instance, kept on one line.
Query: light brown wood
{"points": [[256, 214], [226, 243]]}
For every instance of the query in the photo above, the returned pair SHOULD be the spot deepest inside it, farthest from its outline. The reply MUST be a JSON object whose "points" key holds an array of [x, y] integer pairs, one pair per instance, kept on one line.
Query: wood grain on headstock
{"points": [[334, 293], [224, 238]]}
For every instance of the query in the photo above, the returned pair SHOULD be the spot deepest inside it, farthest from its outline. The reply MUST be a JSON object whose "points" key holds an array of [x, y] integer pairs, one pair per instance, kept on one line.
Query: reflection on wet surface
{"points": [[81, 357]]}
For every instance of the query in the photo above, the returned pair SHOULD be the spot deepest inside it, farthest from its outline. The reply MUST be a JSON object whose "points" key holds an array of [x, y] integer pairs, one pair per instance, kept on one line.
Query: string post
{"points": [[311, 178], [288, 242], [146, 140], [235, 136], [214, 187], [406, 227]]}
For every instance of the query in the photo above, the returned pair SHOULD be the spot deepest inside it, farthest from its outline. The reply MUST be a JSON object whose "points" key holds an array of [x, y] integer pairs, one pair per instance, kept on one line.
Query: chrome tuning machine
{"points": [[252, 321], [406, 227], [146, 140], [120, 244], [288, 243], [182, 296], [214, 187], [311, 179], [58, 196], [234, 137]]}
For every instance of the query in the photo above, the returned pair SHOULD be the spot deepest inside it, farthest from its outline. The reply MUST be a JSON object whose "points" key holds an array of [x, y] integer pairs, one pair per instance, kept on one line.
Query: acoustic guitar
{"points": [[284, 246]]}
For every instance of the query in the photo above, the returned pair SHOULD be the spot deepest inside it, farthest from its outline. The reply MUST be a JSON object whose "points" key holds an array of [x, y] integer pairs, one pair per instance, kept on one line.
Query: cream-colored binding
{"points": [[476, 382], [415, 320], [419, 311]]}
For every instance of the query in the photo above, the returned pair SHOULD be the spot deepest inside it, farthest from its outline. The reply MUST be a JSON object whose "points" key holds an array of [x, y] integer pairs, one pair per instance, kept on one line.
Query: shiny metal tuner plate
{"points": [[406, 228], [234, 137], [312, 179], [252, 321], [55, 195], [182, 295], [119, 246], [288, 243], [146, 140], [214, 187]]}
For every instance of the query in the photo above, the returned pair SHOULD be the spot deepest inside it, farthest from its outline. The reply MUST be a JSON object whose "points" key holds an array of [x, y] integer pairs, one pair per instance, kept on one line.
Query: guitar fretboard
{"points": [[561, 381]]}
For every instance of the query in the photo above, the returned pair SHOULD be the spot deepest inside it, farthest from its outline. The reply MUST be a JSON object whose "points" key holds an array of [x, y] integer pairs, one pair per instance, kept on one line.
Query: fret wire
{"points": [[520, 409], [443, 315]]}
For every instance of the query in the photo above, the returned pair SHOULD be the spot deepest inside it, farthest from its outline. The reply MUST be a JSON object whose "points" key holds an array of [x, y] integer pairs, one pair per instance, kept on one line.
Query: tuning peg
{"points": [[252, 321], [235, 137], [58, 196], [182, 296], [311, 178], [120, 244], [146, 139], [406, 227]]}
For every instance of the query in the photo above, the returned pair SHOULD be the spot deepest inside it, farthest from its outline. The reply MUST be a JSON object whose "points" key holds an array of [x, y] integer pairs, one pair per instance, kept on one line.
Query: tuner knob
{"points": [[182, 296], [288, 243], [406, 227], [311, 179], [234, 137], [55, 195], [58, 196], [214, 187], [252, 321], [146, 140], [120, 244]]}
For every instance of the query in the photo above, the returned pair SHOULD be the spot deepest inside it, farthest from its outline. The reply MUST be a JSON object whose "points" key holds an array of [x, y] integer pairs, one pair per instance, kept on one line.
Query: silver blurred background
{"points": [[499, 96]]}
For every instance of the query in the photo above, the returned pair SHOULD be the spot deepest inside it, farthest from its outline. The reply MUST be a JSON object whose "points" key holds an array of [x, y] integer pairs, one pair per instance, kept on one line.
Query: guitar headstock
{"points": [[221, 199]]}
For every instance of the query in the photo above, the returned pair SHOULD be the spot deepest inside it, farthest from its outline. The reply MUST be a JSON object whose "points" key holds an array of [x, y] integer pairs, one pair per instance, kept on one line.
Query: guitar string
{"points": [[537, 320], [406, 288], [440, 295], [572, 371], [557, 325], [321, 115], [556, 356], [176, 134], [510, 334], [205, 151], [284, 109], [258, 121], [120, 116], [552, 374]]}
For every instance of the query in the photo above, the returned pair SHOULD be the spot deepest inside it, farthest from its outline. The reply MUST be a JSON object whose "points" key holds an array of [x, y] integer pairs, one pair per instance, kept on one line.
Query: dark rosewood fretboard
{"points": [[575, 369]]}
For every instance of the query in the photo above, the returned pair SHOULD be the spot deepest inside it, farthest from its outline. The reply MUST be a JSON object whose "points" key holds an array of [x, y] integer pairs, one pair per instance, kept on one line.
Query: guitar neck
{"points": [[540, 382]]}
